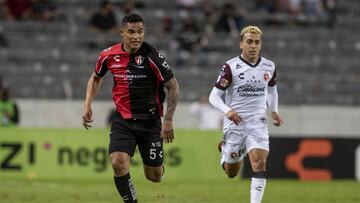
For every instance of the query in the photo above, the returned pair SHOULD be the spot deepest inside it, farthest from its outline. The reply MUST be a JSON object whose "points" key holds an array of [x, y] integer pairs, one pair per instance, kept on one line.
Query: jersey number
{"points": [[153, 153]]}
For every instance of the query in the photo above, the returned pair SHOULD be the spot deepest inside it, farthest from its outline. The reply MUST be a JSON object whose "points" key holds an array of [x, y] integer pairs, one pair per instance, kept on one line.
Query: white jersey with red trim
{"points": [[245, 86]]}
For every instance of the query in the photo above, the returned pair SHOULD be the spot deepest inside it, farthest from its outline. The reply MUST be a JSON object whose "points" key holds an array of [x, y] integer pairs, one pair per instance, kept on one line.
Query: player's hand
{"points": [[234, 117], [167, 131], [87, 118], [277, 118]]}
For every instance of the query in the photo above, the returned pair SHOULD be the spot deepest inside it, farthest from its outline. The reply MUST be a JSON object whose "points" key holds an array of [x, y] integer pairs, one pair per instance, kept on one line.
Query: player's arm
{"points": [[272, 102], [167, 131], [216, 100], [92, 89]]}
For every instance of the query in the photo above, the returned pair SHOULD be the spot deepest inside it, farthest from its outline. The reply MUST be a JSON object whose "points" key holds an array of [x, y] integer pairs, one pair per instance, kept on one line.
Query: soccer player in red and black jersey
{"points": [[140, 74]]}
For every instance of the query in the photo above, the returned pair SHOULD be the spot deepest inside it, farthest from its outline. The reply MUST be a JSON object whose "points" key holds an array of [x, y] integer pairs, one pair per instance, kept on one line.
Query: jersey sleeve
{"points": [[224, 78], [101, 67], [272, 81], [160, 66]]}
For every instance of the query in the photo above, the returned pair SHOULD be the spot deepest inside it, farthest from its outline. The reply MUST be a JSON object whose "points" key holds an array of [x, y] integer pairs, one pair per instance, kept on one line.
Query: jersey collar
{"points": [[251, 65]]}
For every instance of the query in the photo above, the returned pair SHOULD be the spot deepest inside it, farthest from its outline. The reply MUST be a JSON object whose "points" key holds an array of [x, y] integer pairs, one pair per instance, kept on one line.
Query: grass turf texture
{"points": [[199, 180], [181, 191]]}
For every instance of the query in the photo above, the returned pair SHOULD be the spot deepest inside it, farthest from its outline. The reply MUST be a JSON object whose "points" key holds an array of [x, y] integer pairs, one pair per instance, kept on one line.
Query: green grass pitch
{"points": [[184, 191], [207, 185]]}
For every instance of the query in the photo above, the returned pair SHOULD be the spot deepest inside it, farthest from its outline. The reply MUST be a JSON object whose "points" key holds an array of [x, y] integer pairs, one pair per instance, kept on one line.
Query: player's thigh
{"points": [[233, 145], [257, 138], [122, 136], [150, 143]]}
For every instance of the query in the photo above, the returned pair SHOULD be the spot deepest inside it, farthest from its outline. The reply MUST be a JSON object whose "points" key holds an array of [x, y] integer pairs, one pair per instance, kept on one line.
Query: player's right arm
{"points": [[92, 89], [215, 98]]}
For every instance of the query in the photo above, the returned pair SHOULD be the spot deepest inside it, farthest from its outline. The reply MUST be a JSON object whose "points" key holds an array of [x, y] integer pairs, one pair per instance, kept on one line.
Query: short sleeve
{"points": [[101, 67], [160, 66], [272, 82], [224, 78]]}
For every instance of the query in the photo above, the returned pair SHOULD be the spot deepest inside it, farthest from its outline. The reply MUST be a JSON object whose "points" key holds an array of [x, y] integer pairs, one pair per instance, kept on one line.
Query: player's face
{"points": [[133, 36], [251, 46]]}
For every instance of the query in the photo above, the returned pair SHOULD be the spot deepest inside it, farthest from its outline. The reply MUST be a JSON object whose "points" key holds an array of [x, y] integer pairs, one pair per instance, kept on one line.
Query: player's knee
{"points": [[232, 173], [155, 179], [154, 176], [120, 166], [259, 165]]}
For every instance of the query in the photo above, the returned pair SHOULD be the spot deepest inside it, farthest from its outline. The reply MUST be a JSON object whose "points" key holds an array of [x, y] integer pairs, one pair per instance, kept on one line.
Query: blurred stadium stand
{"points": [[316, 64]]}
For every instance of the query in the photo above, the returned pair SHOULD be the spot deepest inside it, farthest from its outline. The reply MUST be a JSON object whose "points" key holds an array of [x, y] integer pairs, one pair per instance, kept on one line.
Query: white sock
{"points": [[257, 189]]}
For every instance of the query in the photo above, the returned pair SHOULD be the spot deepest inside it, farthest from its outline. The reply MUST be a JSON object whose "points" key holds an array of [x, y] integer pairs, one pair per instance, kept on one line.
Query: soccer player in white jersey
{"points": [[249, 84]]}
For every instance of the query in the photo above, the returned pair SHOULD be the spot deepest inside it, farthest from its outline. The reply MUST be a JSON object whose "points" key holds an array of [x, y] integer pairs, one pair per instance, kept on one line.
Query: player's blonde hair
{"points": [[250, 29]]}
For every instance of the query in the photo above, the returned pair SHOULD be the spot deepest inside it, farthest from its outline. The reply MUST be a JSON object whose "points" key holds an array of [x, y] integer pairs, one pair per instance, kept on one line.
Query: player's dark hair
{"points": [[132, 18]]}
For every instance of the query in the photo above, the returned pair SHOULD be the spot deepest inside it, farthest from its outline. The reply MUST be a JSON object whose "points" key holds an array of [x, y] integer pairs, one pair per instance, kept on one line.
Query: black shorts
{"points": [[125, 134]]}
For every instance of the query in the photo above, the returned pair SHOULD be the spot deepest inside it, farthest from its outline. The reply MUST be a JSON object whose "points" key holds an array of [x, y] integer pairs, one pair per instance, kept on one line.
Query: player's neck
{"points": [[250, 60], [129, 50]]}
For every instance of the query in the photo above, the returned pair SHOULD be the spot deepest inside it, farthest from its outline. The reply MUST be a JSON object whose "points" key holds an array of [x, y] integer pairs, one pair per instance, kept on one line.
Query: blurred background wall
{"points": [[48, 50]]}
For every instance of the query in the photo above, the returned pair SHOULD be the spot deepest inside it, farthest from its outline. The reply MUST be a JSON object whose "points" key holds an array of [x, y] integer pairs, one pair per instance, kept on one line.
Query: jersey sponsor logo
{"points": [[117, 66], [117, 58], [251, 90], [242, 76], [166, 65], [222, 73], [238, 66], [129, 77], [139, 60]]}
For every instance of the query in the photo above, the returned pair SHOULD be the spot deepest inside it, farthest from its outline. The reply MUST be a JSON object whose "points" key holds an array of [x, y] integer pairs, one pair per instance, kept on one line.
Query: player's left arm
{"points": [[167, 131], [272, 101]]}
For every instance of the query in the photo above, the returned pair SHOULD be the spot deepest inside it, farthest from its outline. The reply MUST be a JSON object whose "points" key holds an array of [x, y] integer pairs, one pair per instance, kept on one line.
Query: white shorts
{"points": [[246, 136]]}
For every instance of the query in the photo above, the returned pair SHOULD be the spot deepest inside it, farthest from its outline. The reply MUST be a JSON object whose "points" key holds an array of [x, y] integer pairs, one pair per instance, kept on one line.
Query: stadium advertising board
{"points": [[321, 159], [81, 154]]}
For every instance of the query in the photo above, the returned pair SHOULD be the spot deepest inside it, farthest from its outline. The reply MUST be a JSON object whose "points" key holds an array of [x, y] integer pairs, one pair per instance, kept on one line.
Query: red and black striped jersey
{"points": [[138, 90]]}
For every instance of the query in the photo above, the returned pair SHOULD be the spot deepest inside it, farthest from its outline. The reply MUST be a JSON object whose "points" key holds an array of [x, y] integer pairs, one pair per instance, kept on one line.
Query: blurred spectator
{"points": [[231, 20], [330, 9], [126, 7], [189, 34], [3, 41], [104, 20], [314, 11], [208, 21], [9, 114], [17, 9], [268, 6], [44, 10], [188, 5], [207, 116], [167, 24]]}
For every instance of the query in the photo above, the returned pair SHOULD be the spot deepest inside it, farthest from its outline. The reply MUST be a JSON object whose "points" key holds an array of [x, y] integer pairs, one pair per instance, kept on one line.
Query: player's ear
{"points": [[241, 45], [122, 30]]}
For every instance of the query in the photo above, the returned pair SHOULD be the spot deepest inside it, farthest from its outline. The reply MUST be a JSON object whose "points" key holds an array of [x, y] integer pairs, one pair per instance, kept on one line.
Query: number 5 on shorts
{"points": [[153, 153]]}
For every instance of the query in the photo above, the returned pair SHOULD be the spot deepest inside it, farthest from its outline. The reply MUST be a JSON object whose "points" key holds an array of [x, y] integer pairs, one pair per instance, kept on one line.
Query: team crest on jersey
{"points": [[139, 60], [266, 76]]}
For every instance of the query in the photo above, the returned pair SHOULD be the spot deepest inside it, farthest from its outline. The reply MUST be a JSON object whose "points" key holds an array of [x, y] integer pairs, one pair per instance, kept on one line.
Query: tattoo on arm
{"points": [[172, 98]]}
